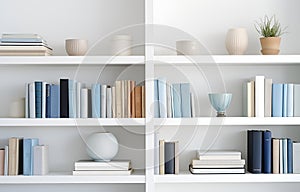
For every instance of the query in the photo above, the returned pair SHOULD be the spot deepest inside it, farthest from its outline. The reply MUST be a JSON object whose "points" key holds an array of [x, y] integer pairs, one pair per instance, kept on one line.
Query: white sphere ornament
{"points": [[102, 146]]}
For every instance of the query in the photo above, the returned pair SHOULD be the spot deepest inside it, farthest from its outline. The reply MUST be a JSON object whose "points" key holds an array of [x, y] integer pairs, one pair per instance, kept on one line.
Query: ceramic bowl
{"points": [[76, 47], [220, 102]]}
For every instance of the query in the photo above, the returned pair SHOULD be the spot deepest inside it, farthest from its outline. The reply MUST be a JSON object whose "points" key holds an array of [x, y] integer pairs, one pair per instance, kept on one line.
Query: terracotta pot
{"points": [[270, 45]]}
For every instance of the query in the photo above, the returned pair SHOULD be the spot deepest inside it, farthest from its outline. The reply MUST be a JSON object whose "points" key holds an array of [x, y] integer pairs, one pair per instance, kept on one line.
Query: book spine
{"points": [[123, 101], [6, 160], [275, 155], [55, 101], [40, 159], [27, 100], [176, 157], [267, 153], [284, 101], [169, 158], [254, 151], [161, 157], [290, 100], [156, 99], [169, 102], [26, 156], [162, 97], [48, 100], [64, 98], [281, 156], [13, 153], [38, 99], [20, 157], [78, 99], [143, 102], [138, 101], [296, 101], [2, 159], [72, 98], [44, 99], [84, 103], [285, 155], [96, 100], [118, 99], [176, 100], [132, 96], [113, 105], [289, 156], [296, 157], [277, 100], [128, 93], [185, 99], [32, 100], [268, 97], [193, 105], [103, 101], [156, 153], [259, 96], [108, 102]]}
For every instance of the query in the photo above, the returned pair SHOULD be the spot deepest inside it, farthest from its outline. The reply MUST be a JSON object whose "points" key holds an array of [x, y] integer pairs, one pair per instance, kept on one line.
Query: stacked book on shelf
{"points": [[168, 154], [24, 45], [217, 162], [71, 99], [173, 100], [24, 156], [114, 167], [263, 98], [270, 155]]}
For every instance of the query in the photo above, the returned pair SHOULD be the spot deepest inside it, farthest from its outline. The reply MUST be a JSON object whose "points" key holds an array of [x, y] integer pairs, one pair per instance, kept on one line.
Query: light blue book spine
{"points": [[185, 99], [290, 100], [296, 100], [284, 101], [55, 101], [96, 105], [284, 151], [34, 142], [177, 100], [72, 99], [156, 101], [28, 145], [162, 96], [277, 99]]}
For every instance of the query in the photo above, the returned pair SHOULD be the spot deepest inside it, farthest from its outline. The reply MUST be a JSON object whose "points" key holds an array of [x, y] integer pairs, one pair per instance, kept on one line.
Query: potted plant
{"points": [[270, 30]]}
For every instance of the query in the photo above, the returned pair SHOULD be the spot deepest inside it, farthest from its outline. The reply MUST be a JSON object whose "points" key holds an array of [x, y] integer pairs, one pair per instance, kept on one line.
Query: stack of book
{"points": [[89, 167], [24, 45], [168, 157], [217, 162]]}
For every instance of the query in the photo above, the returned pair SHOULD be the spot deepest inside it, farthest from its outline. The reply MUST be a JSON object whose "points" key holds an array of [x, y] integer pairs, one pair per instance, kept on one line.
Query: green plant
{"points": [[269, 27]]}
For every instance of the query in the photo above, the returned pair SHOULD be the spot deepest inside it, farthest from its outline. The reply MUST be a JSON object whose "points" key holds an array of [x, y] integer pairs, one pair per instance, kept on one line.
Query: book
{"points": [[268, 97], [40, 160], [196, 162], [138, 101], [113, 104], [267, 152], [162, 97], [128, 98], [285, 155], [28, 145], [169, 101], [259, 96], [84, 103], [27, 100], [102, 173], [54, 101], [296, 104], [44, 97], [176, 143], [216, 171], [103, 101], [289, 156], [32, 100], [132, 96], [89, 103], [64, 98], [277, 99], [118, 99], [2, 159], [275, 155], [6, 159], [284, 100], [38, 98], [72, 98], [290, 100], [96, 100], [123, 115], [90, 165], [169, 157], [48, 100], [20, 156], [193, 105], [13, 156], [78, 99], [161, 157], [156, 153], [108, 102], [156, 99], [143, 102], [176, 95], [296, 157], [17, 48], [281, 156], [185, 100], [254, 151], [218, 155]]}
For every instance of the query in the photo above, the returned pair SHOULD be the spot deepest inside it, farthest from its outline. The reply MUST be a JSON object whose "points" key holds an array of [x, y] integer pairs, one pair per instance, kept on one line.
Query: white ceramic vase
{"points": [[121, 45], [102, 146], [236, 41]]}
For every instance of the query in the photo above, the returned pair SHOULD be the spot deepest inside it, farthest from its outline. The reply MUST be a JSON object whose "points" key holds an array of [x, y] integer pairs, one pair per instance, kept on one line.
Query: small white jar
{"points": [[121, 45]]}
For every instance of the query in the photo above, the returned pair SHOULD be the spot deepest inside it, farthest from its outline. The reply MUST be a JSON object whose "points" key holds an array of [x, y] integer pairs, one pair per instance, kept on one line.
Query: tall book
{"points": [[281, 168], [277, 99], [267, 152], [143, 102], [13, 156], [26, 100], [254, 151], [44, 99], [285, 155], [128, 94], [289, 156], [156, 99], [6, 159], [169, 101], [64, 98], [28, 146], [132, 97], [176, 143], [162, 97], [248, 99], [40, 159], [296, 157], [296, 103], [84, 103], [118, 99], [169, 158], [78, 94], [113, 104], [284, 100], [108, 102], [185, 100], [38, 98], [259, 96], [275, 155], [138, 101], [161, 157], [156, 153], [123, 100], [193, 105], [96, 100], [20, 156], [2, 160], [176, 100], [268, 97], [54, 101], [103, 101], [290, 100], [31, 104], [72, 98], [48, 100]]}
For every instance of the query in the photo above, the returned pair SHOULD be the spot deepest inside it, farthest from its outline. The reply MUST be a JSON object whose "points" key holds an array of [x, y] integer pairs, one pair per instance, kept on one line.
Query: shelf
{"points": [[187, 177], [71, 60], [230, 59], [62, 177], [24, 122], [224, 121]]}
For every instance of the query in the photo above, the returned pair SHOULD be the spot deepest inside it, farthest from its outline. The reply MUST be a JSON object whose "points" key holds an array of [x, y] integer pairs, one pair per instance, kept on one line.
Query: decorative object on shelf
{"points": [[270, 30], [236, 41], [76, 47], [121, 45], [187, 47], [220, 102], [102, 146]]}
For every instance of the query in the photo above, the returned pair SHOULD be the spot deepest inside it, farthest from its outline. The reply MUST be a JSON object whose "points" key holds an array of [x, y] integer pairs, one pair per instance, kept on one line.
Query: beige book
{"points": [[268, 97], [161, 157], [123, 99], [275, 155], [143, 101], [250, 99], [13, 156], [132, 96], [2, 159], [128, 90], [118, 99], [138, 101], [113, 100]]}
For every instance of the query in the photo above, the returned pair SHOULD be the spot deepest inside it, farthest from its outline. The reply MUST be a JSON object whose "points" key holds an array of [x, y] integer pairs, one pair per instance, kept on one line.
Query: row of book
{"points": [[217, 162], [70, 99], [270, 155], [168, 157], [114, 167], [263, 98], [24, 45], [24, 156], [173, 100]]}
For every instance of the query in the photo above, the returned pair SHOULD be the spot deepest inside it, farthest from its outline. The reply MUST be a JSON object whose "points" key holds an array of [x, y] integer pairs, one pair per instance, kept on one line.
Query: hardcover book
{"points": [[254, 151]]}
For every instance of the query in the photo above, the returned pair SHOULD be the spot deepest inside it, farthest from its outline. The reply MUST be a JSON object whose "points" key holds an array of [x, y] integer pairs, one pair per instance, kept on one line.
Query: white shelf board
{"points": [[187, 177], [64, 177], [71, 60], [227, 121], [230, 59], [23, 122]]}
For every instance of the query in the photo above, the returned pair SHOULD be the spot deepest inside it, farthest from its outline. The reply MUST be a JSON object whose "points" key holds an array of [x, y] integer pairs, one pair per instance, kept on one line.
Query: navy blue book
{"points": [[38, 99], [289, 155], [55, 104], [64, 98], [48, 100], [267, 152], [169, 158], [254, 149]]}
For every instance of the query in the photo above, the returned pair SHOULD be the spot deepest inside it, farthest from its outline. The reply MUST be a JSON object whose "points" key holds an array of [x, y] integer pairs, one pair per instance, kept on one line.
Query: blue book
{"points": [[284, 100], [289, 156], [254, 151], [277, 100], [22, 40], [162, 97], [290, 100], [28, 145], [284, 153], [176, 100], [96, 98], [48, 100], [38, 99], [185, 99], [54, 101], [267, 152], [156, 101], [72, 98]]}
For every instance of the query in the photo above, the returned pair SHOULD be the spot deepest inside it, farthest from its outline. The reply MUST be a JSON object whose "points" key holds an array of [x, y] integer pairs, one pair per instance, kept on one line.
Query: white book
{"points": [[26, 100], [216, 171], [169, 102], [102, 173], [123, 99], [280, 156], [84, 103], [90, 165], [259, 96], [118, 99], [32, 100], [296, 101], [193, 105], [108, 102], [156, 153], [290, 100], [296, 157], [44, 99], [268, 97], [78, 99], [219, 155], [113, 99], [103, 101], [6, 160], [218, 166], [196, 162], [40, 160]]}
